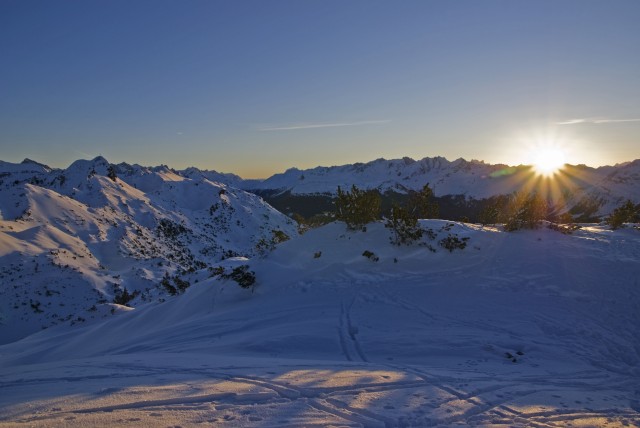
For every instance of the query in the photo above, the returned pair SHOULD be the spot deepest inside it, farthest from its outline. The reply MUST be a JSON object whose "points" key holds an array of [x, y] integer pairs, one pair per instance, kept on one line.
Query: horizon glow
{"points": [[254, 88]]}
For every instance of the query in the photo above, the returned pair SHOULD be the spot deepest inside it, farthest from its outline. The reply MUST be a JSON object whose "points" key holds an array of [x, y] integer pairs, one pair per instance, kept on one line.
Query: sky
{"points": [[257, 87]]}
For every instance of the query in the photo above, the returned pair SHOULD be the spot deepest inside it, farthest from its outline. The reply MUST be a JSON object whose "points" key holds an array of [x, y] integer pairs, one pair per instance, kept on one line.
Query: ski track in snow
{"points": [[347, 331], [477, 406], [528, 339]]}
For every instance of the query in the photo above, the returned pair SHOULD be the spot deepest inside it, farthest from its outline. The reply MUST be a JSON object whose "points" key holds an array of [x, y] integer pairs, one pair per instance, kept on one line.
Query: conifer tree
{"points": [[625, 213], [357, 207], [421, 205], [525, 210], [404, 225]]}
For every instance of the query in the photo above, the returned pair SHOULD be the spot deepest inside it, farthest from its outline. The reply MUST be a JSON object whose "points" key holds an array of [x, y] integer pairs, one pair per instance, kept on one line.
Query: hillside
{"points": [[529, 328], [73, 240]]}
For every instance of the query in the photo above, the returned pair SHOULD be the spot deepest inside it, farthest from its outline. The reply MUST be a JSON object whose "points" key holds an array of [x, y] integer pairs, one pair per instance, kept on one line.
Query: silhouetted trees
{"points": [[525, 211], [625, 213]]}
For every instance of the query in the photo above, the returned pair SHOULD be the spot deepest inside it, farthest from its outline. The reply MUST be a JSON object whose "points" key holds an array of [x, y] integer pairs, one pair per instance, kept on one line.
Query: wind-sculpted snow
{"points": [[343, 328], [72, 241]]}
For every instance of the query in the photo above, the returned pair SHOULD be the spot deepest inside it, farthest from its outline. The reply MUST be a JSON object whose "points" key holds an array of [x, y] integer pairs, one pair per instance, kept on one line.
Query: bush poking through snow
{"points": [[405, 226], [167, 285], [625, 213], [170, 229], [453, 242], [371, 256], [179, 285], [216, 271], [243, 276], [566, 229], [264, 245], [357, 207], [525, 211], [123, 298]]}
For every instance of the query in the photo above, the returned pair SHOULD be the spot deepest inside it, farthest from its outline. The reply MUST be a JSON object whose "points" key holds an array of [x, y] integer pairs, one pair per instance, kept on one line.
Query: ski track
{"points": [[347, 334], [484, 407]]}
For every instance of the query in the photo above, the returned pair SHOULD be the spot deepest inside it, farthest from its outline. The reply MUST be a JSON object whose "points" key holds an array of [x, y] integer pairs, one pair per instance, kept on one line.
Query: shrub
{"points": [[277, 237], [358, 207], [167, 285], [405, 226], [625, 213], [371, 256], [453, 242], [243, 276], [181, 284], [170, 229], [420, 203], [566, 229], [123, 298], [216, 271], [525, 211]]}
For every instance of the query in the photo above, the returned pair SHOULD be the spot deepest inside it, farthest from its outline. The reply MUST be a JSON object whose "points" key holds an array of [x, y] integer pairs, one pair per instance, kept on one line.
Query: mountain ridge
{"points": [[74, 241]]}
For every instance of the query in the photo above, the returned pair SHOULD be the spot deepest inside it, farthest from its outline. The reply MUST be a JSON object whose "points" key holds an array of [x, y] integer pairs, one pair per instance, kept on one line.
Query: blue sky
{"points": [[255, 87]]}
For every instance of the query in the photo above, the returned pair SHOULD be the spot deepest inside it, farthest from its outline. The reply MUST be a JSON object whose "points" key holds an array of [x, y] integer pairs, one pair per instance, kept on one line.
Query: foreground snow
{"points": [[532, 328]]}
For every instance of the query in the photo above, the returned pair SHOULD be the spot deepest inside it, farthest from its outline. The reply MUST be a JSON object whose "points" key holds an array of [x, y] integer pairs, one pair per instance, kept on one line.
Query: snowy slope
{"points": [[608, 186], [72, 240], [530, 328]]}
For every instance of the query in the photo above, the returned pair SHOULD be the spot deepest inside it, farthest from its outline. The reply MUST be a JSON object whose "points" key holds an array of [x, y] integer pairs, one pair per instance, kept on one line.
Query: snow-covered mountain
{"points": [[72, 240], [605, 187], [529, 328]]}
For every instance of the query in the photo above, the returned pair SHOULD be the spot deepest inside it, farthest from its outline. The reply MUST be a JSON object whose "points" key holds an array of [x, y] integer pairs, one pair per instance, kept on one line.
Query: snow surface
{"points": [[529, 328]]}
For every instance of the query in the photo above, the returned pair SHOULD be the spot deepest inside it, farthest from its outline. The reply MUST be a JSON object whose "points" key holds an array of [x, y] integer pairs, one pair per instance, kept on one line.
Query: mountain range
{"points": [[72, 241], [581, 190], [75, 240]]}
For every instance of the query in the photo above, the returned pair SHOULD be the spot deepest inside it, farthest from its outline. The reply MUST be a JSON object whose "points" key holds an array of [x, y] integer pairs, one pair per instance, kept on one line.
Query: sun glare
{"points": [[547, 160]]}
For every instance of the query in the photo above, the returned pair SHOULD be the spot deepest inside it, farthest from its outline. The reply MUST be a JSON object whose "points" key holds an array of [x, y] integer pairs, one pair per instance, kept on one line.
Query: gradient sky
{"points": [[256, 87]]}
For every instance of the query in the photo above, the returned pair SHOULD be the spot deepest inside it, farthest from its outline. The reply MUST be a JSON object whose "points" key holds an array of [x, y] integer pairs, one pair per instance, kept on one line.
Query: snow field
{"points": [[530, 328]]}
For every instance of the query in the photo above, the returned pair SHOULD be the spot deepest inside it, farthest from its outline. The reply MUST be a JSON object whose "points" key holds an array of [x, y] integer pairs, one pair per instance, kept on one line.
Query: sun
{"points": [[547, 159]]}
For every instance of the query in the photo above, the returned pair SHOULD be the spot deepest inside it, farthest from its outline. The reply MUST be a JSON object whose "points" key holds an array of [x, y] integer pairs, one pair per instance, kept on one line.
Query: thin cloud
{"points": [[596, 121], [323, 125]]}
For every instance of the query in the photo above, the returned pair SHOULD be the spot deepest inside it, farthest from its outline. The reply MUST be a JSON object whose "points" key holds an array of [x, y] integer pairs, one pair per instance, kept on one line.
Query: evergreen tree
{"points": [[404, 225], [525, 210], [625, 213], [358, 207], [421, 205]]}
